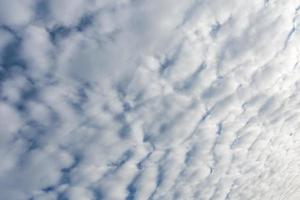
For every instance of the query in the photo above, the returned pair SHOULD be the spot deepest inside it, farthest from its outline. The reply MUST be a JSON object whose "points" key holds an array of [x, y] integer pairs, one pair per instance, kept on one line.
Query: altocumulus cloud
{"points": [[158, 100]]}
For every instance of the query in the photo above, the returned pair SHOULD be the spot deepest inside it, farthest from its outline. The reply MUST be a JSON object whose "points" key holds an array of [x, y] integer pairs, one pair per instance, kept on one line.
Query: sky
{"points": [[149, 100]]}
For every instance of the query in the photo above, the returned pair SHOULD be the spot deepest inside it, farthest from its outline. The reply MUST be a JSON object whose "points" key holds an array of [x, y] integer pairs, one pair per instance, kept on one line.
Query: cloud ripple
{"points": [[158, 100]]}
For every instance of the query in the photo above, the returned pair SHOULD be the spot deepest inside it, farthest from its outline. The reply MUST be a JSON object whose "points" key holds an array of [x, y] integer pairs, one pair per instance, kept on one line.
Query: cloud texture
{"points": [[158, 100]]}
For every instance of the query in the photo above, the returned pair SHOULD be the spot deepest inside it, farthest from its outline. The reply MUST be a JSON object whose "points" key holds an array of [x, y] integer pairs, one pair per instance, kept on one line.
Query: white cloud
{"points": [[16, 12], [149, 100], [37, 50]]}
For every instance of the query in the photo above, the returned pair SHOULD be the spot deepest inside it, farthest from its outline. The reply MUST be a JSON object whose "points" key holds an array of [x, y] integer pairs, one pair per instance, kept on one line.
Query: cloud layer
{"points": [[158, 100]]}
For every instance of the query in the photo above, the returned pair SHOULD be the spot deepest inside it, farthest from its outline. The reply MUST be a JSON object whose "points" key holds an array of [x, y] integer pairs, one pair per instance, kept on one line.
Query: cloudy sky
{"points": [[149, 99]]}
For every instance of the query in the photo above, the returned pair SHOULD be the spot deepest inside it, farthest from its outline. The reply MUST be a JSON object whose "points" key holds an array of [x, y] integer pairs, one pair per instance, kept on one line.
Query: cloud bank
{"points": [[158, 100]]}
